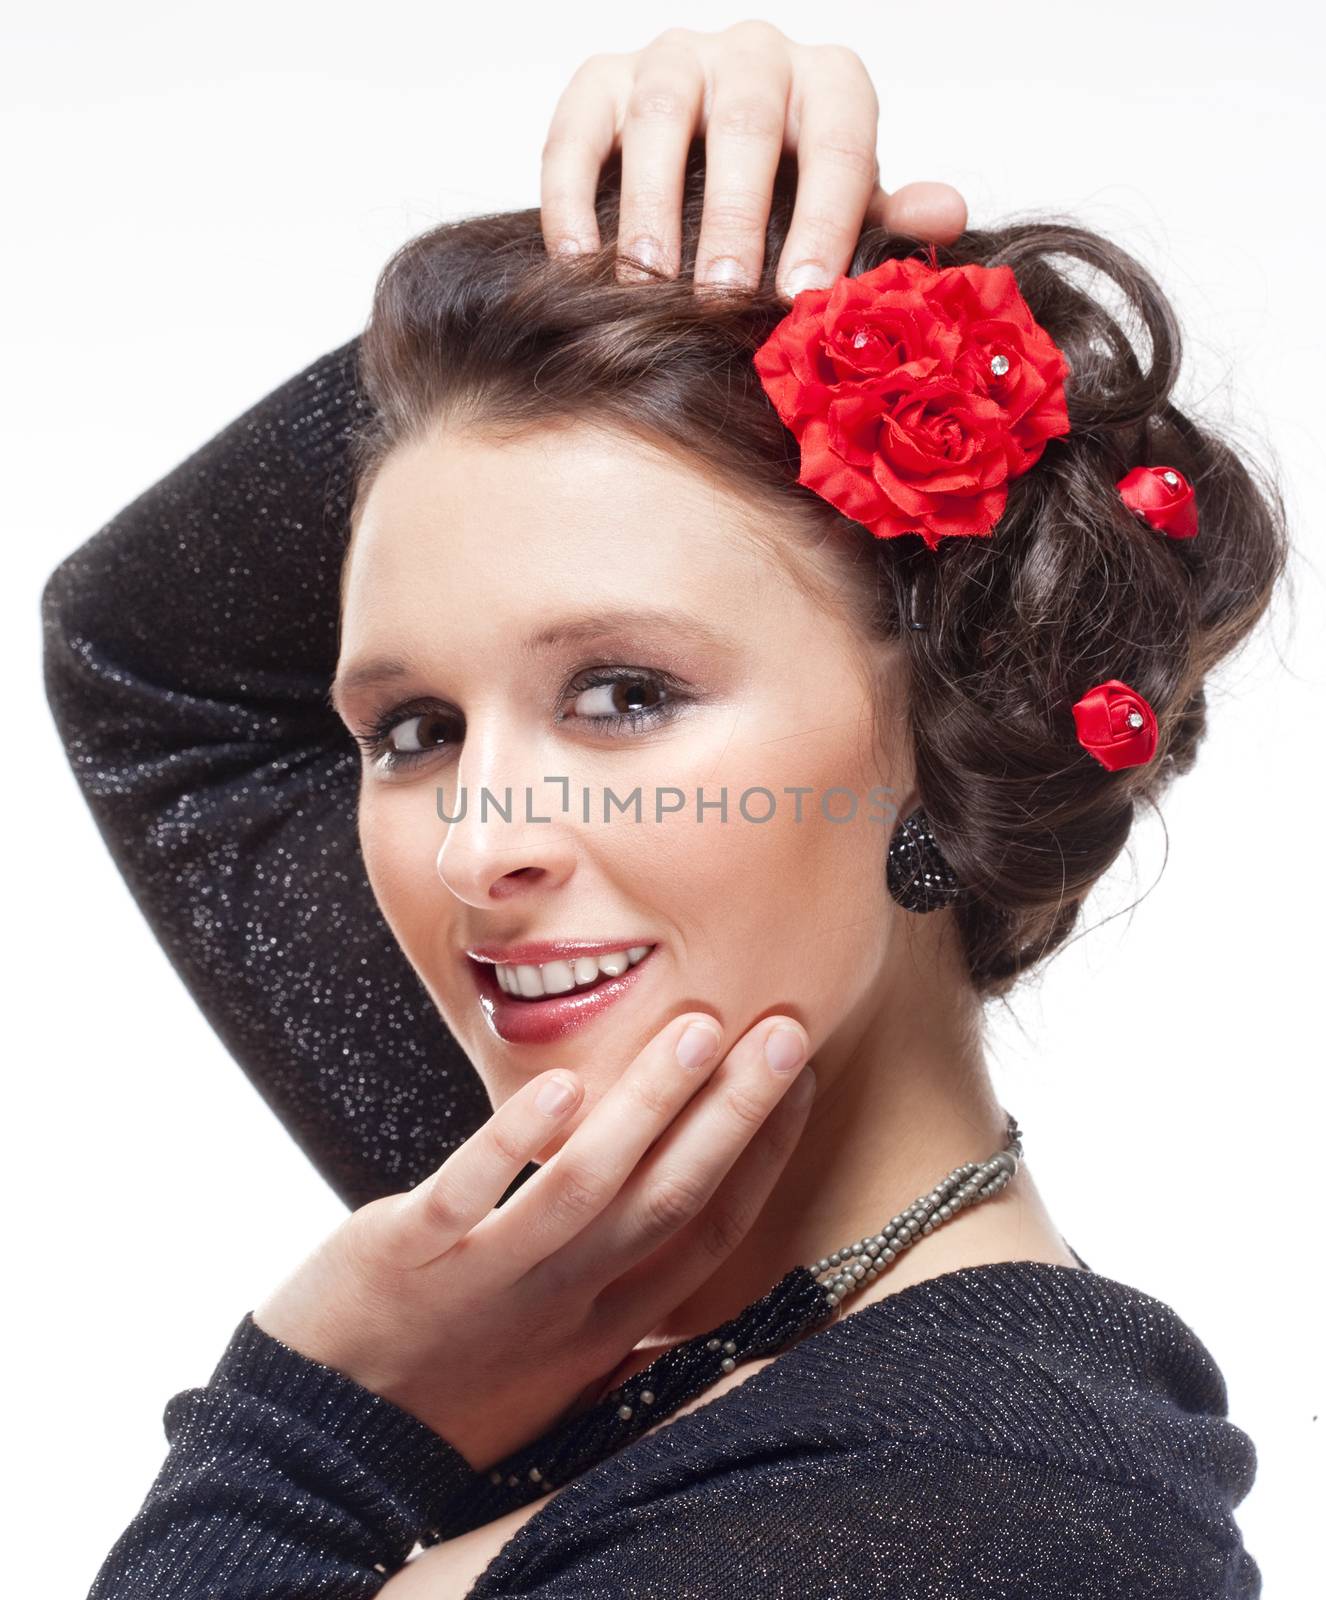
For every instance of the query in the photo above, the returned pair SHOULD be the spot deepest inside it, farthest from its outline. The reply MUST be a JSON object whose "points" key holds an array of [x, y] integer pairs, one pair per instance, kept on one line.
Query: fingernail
{"points": [[555, 1096], [724, 270], [646, 249], [569, 247], [696, 1046], [784, 1050], [805, 275]]}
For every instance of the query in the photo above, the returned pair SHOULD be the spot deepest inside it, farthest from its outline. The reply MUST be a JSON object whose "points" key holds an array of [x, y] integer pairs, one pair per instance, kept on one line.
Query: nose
{"points": [[497, 848]]}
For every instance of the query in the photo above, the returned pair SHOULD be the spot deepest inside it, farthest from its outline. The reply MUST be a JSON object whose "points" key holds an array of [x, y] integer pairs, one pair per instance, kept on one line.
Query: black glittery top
{"points": [[1009, 1430]]}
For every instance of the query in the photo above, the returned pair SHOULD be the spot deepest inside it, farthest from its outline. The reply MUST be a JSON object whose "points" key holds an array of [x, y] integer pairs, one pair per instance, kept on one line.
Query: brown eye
{"points": [[408, 734], [419, 731], [614, 699]]}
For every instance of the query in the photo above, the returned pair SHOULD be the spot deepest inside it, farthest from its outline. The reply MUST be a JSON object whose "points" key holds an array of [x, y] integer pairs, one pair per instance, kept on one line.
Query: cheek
{"points": [[787, 912], [399, 839], [807, 913]]}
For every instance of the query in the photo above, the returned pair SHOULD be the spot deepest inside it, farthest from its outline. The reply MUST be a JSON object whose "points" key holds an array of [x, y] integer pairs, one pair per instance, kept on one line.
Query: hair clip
{"points": [[917, 591], [1116, 725], [1162, 497], [916, 393]]}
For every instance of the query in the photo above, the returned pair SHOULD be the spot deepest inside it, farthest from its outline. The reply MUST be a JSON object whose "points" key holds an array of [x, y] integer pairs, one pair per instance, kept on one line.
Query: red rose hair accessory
{"points": [[916, 393], [1116, 725], [1163, 497]]}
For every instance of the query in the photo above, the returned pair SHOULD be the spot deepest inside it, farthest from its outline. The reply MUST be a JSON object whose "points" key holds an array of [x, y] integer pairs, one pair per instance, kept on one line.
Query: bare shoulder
{"points": [[448, 1570]]}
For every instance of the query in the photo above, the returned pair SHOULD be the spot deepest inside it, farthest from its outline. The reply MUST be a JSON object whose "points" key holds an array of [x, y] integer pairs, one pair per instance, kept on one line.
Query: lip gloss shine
{"points": [[554, 1017]]}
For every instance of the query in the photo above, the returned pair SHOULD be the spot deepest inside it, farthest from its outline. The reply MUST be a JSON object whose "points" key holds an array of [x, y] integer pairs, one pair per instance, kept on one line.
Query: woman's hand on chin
{"points": [[488, 1324], [753, 94]]}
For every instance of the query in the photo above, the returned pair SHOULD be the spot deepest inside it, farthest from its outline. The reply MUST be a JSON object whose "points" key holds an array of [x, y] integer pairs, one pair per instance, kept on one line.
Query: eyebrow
{"points": [[564, 631]]}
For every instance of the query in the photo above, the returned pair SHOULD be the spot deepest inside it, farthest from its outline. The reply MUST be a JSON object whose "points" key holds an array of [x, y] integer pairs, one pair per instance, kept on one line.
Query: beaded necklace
{"points": [[803, 1300]]}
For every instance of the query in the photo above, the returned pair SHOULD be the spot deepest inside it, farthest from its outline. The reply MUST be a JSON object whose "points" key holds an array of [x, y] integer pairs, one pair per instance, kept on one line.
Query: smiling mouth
{"points": [[534, 985]]}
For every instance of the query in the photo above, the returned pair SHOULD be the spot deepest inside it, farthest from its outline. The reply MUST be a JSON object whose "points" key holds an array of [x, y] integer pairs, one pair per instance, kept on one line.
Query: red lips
{"points": [[519, 1021]]}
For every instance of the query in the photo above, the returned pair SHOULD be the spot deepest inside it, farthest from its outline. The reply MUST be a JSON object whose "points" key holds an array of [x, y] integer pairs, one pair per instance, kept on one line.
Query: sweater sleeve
{"points": [[896, 1521], [189, 648], [285, 1480]]}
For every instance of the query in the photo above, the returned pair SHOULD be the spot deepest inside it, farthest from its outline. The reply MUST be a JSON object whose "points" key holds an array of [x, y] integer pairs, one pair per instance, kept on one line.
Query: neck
{"points": [[903, 1096]]}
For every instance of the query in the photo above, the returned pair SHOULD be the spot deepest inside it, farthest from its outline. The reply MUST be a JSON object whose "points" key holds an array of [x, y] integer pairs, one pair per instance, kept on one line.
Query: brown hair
{"points": [[474, 325]]}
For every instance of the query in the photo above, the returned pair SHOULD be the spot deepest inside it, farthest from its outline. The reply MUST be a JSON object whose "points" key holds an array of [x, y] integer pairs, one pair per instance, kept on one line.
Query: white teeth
{"points": [[529, 982], [560, 977]]}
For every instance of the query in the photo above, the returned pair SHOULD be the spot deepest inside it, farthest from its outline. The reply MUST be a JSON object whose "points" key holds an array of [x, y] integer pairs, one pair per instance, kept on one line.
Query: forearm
{"points": [[189, 646], [285, 1480]]}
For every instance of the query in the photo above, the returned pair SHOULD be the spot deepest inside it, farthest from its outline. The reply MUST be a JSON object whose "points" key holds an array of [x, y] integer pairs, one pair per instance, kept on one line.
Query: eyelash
{"points": [[372, 738]]}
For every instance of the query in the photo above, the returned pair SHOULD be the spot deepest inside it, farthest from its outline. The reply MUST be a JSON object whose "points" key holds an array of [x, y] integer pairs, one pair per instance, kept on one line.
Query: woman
{"points": [[603, 546]]}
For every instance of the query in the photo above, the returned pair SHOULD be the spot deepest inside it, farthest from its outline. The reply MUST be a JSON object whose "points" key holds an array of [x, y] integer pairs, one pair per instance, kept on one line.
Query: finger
{"points": [[744, 136], [837, 170], [580, 138], [925, 210], [877, 209], [660, 1282], [682, 1175], [432, 1216], [564, 1197], [661, 114]]}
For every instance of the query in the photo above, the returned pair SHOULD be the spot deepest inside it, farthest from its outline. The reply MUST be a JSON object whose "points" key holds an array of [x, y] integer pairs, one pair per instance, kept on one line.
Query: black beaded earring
{"points": [[919, 878]]}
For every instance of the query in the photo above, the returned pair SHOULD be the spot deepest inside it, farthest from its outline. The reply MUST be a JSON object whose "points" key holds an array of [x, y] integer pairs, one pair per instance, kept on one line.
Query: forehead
{"points": [[576, 510]]}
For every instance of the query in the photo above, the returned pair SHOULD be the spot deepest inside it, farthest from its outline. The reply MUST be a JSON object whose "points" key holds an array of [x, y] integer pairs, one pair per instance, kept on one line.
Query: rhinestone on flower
{"points": [[1170, 478], [1135, 719], [999, 365]]}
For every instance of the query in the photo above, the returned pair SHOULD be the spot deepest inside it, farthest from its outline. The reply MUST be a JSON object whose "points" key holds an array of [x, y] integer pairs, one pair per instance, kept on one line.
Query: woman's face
{"points": [[510, 582]]}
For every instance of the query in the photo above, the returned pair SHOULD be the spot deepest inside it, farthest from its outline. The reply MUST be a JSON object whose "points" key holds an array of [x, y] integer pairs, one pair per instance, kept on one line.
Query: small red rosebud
{"points": [[1116, 725], [1163, 497]]}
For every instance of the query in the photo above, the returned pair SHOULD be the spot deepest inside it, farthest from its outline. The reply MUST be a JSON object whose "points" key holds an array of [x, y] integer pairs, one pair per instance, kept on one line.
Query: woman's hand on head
{"points": [[753, 94], [488, 1323]]}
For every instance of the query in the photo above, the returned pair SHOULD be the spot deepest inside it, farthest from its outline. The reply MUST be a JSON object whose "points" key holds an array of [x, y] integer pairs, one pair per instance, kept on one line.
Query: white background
{"points": [[198, 202]]}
